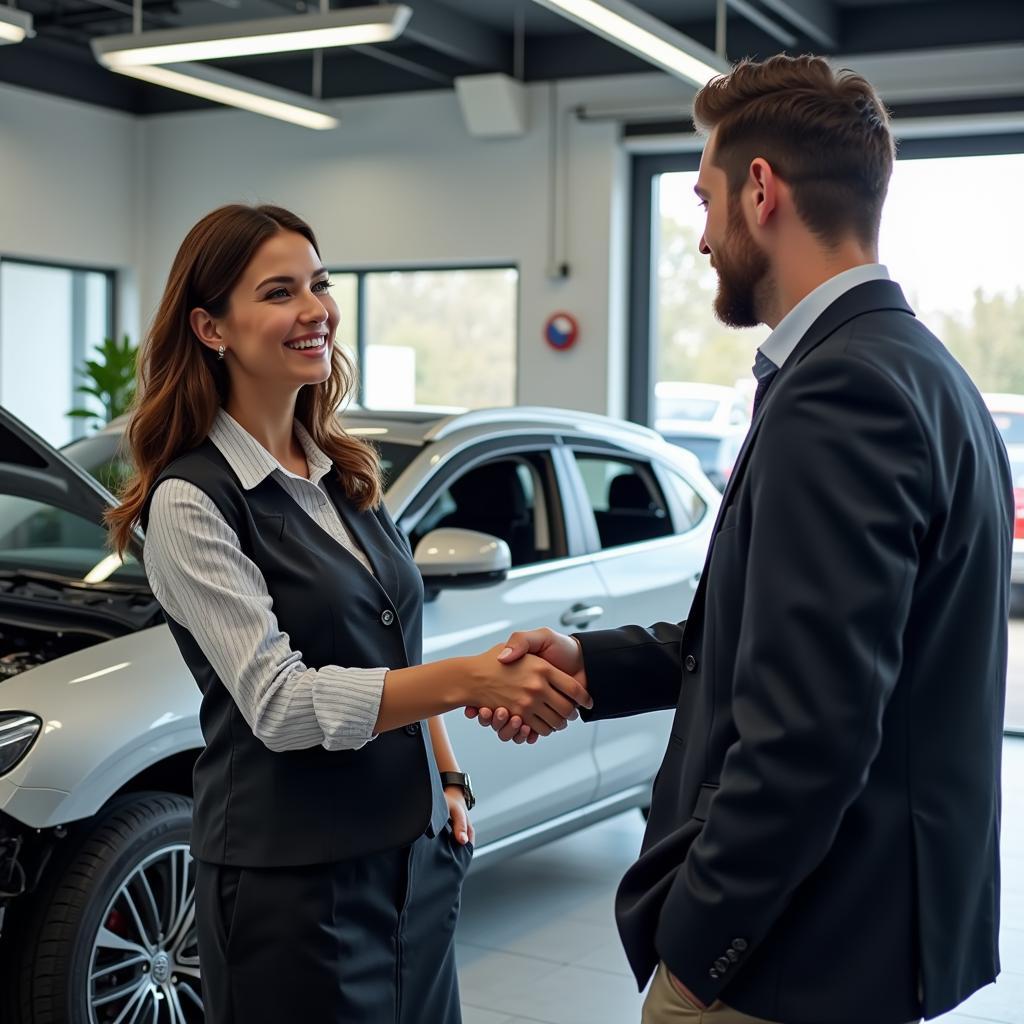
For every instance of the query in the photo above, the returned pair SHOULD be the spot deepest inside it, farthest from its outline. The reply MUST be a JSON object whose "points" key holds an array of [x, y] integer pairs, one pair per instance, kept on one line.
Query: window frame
{"points": [[496, 450], [581, 498], [79, 350], [645, 170], [362, 271]]}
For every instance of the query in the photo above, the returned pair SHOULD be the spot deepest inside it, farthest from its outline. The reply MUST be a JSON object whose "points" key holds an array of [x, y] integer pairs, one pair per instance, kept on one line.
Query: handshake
{"points": [[536, 688]]}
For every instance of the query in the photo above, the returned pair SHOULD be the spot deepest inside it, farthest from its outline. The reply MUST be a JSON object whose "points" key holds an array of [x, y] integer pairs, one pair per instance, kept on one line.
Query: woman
{"points": [[326, 845]]}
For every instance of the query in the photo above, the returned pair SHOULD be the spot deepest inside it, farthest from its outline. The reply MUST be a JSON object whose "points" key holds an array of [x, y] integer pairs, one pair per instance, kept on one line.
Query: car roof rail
{"points": [[530, 414]]}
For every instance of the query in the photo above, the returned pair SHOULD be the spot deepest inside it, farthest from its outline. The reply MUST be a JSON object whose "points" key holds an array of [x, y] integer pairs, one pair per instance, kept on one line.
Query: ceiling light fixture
{"points": [[236, 91], [354, 26], [15, 25], [635, 30]]}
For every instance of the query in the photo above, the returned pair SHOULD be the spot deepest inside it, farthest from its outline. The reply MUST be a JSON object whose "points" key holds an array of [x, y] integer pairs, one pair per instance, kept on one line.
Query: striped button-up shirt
{"points": [[202, 579]]}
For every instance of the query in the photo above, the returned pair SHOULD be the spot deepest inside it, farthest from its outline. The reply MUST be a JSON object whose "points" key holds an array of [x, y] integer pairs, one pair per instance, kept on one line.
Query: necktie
{"points": [[765, 371]]}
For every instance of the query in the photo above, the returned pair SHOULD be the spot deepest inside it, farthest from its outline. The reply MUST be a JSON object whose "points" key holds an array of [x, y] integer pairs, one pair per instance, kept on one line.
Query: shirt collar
{"points": [[779, 345], [251, 462]]}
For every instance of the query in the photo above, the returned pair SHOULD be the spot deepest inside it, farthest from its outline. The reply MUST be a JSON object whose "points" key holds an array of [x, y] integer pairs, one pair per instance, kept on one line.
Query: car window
{"points": [[511, 498], [1011, 426], [690, 506], [739, 416], [39, 537], [626, 499], [700, 409]]}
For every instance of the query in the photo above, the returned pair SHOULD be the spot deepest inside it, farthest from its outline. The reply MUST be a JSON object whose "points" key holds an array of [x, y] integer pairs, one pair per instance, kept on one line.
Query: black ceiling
{"points": [[446, 38]]}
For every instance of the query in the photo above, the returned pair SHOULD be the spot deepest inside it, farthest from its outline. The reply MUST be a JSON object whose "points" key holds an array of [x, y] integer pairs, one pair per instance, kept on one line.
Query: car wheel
{"points": [[114, 938]]}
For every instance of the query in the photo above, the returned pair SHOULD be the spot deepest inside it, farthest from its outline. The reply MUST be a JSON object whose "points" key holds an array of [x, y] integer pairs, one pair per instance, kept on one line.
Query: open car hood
{"points": [[32, 468]]}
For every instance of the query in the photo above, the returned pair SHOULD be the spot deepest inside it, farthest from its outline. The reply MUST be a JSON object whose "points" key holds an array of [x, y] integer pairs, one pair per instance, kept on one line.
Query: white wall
{"points": [[401, 181], [70, 175]]}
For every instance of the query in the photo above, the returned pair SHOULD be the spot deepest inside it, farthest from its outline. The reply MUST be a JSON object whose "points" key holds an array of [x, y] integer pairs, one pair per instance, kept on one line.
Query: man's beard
{"points": [[742, 274]]}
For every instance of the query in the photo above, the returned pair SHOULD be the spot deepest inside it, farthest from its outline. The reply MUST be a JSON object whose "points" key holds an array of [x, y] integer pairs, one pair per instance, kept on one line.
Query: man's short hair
{"points": [[825, 133]]}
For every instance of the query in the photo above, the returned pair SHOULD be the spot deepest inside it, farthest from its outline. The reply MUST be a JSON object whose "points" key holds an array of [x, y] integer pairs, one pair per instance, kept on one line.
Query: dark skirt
{"points": [[364, 941]]}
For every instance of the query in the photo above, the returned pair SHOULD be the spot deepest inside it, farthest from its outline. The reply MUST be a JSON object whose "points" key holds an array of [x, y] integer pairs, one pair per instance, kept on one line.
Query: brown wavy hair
{"points": [[825, 133], [182, 384]]}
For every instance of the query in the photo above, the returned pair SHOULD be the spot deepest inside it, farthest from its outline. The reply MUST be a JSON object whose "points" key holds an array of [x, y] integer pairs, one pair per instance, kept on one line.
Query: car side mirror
{"points": [[451, 558]]}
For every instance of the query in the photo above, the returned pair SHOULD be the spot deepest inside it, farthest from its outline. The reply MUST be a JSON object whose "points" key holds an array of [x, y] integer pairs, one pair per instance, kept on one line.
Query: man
{"points": [[822, 846]]}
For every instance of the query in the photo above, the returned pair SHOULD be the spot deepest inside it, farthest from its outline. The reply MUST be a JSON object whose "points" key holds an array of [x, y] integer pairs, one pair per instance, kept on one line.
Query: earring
{"points": [[220, 352]]}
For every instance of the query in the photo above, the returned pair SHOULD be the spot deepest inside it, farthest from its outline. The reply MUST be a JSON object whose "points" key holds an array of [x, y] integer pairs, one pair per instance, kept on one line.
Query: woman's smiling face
{"points": [[280, 321]]}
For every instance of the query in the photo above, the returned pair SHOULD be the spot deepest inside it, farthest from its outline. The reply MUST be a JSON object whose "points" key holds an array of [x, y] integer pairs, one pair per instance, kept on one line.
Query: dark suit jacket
{"points": [[823, 841]]}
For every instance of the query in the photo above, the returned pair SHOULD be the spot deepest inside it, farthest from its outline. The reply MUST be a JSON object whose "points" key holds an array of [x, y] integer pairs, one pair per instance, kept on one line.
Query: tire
{"points": [[116, 923]]}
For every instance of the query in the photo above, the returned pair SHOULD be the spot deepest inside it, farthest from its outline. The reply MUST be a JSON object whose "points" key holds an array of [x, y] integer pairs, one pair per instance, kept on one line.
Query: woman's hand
{"points": [[542, 696], [563, 652], [462, 827]]}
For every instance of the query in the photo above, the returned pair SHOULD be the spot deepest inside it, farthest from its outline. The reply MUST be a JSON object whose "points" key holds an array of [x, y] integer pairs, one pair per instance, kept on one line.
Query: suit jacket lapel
{"points": [[865, 298]]}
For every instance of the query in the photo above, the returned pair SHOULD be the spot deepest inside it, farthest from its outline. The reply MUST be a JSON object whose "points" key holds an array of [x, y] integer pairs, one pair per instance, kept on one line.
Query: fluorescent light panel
{"points": [[352, 27], [637, 31], [237, 91], [15, 25]]}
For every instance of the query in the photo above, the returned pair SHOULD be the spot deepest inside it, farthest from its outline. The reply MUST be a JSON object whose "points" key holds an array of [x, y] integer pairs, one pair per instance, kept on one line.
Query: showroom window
{"points": [[51, 317], [442, 337], [950, 236]]}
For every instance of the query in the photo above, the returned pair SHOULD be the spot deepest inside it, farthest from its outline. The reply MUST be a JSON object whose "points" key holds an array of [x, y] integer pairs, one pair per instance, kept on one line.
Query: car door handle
{"points": [[582, 615]]}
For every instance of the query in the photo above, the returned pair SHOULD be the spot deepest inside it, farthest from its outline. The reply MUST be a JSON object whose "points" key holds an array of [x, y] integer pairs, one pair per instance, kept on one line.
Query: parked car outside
{"points": [[586, 521], [1008, 412], [1016, 454], [709, 420]]}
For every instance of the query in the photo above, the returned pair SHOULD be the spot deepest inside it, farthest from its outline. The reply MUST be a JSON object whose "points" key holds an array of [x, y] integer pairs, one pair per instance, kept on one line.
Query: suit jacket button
{"points": [[739, 945], [732, 955], [387, 616], [413, 729], [690, 663], [722, 964], [714, 974]]}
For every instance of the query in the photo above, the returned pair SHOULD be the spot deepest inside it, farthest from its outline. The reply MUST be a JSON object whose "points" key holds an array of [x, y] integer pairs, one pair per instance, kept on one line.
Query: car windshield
{"points": [[1011, 426], [37, 537], [394, 458], [702, 410]]}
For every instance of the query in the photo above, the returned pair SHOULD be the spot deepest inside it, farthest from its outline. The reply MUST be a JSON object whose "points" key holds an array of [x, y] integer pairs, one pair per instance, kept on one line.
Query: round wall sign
{"points": [[561, 331]]}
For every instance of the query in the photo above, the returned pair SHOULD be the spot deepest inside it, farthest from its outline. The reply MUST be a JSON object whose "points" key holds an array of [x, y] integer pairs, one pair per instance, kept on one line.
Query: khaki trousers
{"points": [[666, 1005]]}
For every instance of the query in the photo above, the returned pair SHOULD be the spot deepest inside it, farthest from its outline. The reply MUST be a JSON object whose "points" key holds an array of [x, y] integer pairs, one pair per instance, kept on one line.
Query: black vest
{"points": [[257, 808]]}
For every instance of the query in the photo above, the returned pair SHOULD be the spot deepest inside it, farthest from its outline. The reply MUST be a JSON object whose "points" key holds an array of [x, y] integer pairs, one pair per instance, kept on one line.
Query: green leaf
{"points": [[109, 377]]}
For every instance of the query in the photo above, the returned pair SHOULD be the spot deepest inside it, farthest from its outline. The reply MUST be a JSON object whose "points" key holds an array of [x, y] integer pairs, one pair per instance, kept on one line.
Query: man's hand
{"points": [[539, 694], [561, 651]]}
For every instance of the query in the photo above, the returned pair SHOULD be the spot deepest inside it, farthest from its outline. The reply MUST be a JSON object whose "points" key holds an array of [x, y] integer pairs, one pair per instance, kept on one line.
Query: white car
{"points": [[710, 420], [695, 404], [1008, 412], [599, 523]]}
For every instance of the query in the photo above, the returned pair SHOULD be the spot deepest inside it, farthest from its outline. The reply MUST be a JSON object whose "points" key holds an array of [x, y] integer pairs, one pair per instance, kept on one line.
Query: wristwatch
{"points": [[460, 779]]}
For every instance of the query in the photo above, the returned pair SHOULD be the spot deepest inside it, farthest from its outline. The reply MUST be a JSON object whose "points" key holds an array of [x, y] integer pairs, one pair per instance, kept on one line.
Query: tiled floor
{"points": [[537, 942]]}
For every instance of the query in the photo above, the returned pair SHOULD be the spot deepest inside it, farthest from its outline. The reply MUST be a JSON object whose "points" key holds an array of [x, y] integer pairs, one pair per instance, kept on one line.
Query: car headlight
{"points": [[18, 732]]}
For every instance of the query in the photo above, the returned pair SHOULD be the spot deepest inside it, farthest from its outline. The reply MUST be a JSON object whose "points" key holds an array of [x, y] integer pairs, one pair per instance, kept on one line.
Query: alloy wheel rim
{"points": [[144, 961]]}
